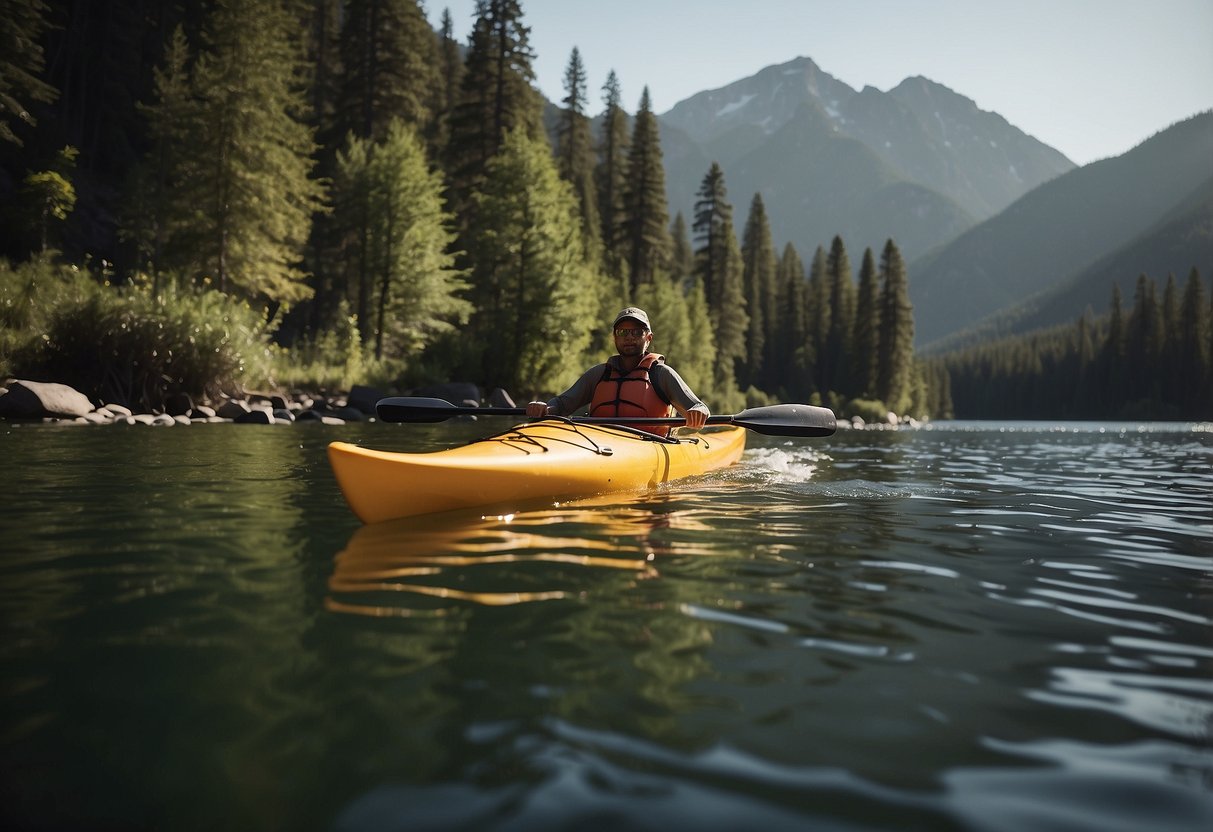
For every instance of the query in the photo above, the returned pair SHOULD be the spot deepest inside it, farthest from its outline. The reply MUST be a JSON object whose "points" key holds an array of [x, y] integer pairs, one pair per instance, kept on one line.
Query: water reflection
{"points": [[454, 558]]}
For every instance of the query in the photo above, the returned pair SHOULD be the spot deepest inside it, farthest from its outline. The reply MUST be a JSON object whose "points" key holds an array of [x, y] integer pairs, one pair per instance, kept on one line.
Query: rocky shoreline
{"points": [[36, 401]]}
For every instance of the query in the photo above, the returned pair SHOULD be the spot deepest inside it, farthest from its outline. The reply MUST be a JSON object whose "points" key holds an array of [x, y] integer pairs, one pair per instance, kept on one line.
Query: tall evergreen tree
{"points": [[867, 328], [497, 97], [839, 332], [390, 60], [713, 215], [531, 285], [719, 267], [450, 73], [575, 149], [645, 235], [1143, 341], [818, 309], [248, 182], [792, 364], [611, 175], [1193, 350], [21, 62], [416, 289], [155, 208], [758, 280], [1112, 355], [682, 255], [896, 353]]}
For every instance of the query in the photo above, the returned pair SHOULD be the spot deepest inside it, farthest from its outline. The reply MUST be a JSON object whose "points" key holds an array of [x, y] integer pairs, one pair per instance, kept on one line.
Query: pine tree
{"points": [[611, 175], [576, 152], [1143, 342], [21, 62], [1112, 355], [154, 207], [758, 280], [818, 310], [867, 328], [713, 214], [496, 97], [1193, 350], [645, 237], [682, 255], [531, 284], [248, 181], [390, 61], [839, 332], [792, 364], [896, 331], [450, 74], [417, 290], [719, 267]]}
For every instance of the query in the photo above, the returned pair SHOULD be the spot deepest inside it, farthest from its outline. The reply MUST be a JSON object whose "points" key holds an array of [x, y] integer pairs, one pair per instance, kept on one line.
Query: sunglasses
{"points": [[625, 332]]}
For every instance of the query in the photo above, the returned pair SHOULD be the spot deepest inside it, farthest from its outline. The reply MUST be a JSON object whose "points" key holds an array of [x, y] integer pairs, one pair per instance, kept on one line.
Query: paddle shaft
{"points": [[777, 420]]}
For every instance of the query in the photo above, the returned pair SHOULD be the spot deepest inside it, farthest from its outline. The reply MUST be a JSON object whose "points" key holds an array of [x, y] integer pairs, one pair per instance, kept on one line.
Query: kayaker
{"points": [[633, 383]]}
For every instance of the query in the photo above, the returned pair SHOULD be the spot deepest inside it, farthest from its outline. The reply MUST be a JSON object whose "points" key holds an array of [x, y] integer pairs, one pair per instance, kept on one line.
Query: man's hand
{"points": [[536, 410], [696, 419]]}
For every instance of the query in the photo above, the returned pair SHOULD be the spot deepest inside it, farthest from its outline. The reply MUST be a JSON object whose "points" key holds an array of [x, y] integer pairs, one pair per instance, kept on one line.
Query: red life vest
{"points": [[632, 394]]}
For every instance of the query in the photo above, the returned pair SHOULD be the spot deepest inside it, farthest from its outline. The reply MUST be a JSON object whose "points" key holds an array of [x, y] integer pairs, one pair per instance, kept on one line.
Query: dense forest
{"points": [[202, 194], [1149, 363]]}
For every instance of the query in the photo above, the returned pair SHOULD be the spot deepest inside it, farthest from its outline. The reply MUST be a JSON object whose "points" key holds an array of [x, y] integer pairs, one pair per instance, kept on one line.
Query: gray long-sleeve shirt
{"points": [[663, 377]]}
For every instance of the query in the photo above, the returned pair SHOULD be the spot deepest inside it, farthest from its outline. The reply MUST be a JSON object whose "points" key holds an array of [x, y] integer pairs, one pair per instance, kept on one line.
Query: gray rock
{"points": [[202, 411], [141, 419], [255, 417], [500, 398], [315, 416], [34, 399], [232, 409], [98, 417], [349, 414], [178, 404], [115, 409], [364, 398], [182, 420], [282, 414]]}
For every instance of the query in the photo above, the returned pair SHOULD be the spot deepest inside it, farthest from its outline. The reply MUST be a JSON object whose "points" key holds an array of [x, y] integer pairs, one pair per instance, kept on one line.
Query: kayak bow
{"points": [[551, 458]]}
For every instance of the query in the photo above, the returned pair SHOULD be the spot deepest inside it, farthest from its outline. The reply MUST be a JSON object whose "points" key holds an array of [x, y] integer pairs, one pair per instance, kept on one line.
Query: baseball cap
{"points": [[634, 313]]}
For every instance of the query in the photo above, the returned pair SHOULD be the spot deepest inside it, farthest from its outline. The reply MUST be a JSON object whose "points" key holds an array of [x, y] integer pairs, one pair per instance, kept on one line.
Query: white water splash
{"points": [[783, 465]]}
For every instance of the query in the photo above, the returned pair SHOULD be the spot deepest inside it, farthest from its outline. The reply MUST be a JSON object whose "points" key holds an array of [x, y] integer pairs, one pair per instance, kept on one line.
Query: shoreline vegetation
{"points": [[322, 202]]}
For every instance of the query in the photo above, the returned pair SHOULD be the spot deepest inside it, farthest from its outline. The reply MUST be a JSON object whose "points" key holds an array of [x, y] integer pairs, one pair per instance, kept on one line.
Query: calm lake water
{"points": [[973, 626]]}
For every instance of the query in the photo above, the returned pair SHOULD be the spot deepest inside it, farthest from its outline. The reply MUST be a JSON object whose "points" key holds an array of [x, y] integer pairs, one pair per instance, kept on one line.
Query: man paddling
{"points": [[633, 383]]}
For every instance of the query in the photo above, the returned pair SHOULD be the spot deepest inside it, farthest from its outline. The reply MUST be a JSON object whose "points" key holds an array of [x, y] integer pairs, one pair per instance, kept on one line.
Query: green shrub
{"points": [[30, 295], [334, 360], [127, 346], [870, 410]]}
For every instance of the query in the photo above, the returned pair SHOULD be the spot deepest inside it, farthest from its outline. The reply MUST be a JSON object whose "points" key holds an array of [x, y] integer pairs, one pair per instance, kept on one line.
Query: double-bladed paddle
{"points": [[774, 420]]}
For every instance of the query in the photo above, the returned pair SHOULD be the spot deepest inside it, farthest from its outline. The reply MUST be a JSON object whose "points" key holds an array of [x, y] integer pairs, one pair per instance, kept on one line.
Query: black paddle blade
{"points": [[788, 420], [407, 409]]}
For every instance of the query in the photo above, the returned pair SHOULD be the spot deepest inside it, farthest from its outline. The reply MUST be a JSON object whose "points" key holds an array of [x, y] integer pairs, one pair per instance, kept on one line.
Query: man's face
{"points": [[632, 337]]}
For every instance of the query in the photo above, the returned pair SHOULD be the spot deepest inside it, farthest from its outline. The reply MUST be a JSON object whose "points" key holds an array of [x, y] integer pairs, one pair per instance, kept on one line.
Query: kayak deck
{"points": [[551, 458]]}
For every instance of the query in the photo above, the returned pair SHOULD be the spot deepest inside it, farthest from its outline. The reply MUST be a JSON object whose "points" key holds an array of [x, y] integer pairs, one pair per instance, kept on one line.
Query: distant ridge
{"points": [[1060, 247]]}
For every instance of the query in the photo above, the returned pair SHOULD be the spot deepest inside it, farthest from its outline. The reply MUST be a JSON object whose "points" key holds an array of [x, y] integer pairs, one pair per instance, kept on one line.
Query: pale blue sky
{"points": [[1092, 78]]}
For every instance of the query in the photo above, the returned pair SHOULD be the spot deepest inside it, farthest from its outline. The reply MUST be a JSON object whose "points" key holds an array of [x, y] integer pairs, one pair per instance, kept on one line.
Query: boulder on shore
{"points": [[364, 398], [37, 399]]}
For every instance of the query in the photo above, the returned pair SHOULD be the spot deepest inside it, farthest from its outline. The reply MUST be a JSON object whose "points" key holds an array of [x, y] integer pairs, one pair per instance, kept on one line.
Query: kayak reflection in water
{"points": [[633, 383]]}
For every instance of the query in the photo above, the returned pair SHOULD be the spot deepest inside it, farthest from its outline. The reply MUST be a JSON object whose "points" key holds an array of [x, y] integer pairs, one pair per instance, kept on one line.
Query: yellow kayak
{"points": [[544, 459]]}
